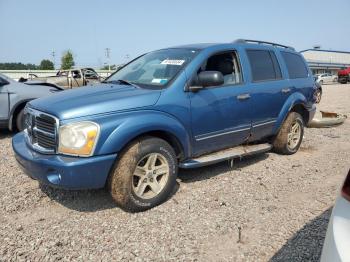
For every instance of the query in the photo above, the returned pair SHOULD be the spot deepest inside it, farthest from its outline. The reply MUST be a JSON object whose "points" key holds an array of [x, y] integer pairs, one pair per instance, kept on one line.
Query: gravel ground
{"points": [[268, 207]]}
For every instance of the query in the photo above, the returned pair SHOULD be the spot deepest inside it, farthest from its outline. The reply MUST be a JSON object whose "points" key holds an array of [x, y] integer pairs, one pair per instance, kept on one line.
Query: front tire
{"points": [[290, 136], [144, 176]]}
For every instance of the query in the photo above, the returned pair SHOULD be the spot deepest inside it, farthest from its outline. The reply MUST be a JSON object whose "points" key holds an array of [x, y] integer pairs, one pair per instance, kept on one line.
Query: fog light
{"points": [[54, 178]]}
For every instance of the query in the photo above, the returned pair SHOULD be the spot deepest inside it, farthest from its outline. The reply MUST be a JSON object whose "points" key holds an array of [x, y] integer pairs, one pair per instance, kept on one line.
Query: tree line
{"points": [[67, 62]]}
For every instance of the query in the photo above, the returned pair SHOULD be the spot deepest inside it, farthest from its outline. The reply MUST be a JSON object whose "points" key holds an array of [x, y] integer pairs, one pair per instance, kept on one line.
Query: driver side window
{"points": [[226, 63]]}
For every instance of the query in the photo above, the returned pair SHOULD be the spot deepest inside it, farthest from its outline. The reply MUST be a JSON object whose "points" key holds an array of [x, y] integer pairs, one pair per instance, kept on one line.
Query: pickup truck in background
{"points": [[69, 79], [181, 107], [344, 76]]}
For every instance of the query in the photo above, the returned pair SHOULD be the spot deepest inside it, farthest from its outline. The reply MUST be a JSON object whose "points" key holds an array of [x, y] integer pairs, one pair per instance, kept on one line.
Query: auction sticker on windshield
{"points": [[172, 62], [159, 81]]}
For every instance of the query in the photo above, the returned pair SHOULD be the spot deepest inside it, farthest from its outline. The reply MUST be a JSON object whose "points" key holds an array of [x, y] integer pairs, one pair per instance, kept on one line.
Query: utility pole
{"points": [[108, 52], [53, 59]]}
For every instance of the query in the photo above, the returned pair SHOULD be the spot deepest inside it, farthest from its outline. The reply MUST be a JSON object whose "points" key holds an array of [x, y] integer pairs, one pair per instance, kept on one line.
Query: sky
{"points": [[32, 30]]}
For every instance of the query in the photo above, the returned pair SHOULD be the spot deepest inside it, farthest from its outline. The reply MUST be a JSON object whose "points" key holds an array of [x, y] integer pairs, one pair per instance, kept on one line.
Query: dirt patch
{"points": [[281, 203]]}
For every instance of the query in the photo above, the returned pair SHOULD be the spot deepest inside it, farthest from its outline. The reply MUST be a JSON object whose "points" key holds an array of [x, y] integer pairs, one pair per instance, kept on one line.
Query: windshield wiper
{"points": [[122, 81]]}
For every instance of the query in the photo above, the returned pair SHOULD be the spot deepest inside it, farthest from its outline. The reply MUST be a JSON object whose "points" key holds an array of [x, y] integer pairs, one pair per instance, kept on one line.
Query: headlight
{"points": [[78, 139]]}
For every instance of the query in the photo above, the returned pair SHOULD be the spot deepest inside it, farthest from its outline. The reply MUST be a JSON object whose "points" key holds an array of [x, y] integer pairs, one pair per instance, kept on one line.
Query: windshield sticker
{"points": [[172, 62], [159, 81]]}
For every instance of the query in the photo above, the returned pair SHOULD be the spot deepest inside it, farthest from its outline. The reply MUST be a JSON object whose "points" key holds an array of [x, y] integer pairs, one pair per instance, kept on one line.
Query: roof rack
{"points": [[241, 41]]}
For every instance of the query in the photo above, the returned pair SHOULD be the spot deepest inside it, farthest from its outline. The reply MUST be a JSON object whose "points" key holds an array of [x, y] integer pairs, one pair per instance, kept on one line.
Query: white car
{"points": [[326, 78], [336, 246]]}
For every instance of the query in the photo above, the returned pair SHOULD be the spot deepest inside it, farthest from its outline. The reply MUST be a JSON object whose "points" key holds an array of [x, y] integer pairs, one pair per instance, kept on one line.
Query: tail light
{"points": [[345, 191]]}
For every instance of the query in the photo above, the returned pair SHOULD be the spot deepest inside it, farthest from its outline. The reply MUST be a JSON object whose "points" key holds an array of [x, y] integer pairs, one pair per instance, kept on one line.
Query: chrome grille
{"points": [[41, 131]]}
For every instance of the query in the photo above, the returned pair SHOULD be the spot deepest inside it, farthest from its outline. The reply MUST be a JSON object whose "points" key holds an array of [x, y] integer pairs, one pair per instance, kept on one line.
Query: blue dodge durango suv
{"points": [[181, 107]]}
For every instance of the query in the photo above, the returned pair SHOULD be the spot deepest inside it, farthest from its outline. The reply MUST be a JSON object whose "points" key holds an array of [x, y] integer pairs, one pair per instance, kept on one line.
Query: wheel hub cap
{"points": [[294, 135], [150, 176]]}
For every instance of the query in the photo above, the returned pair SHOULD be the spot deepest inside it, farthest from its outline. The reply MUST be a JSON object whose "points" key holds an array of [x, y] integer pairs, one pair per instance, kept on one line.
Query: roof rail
{"points": [[241, 41]]}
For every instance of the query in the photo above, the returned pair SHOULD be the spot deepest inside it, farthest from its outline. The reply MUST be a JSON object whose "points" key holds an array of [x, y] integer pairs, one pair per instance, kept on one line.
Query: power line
{"points": [[108, 52], [53, 58]]}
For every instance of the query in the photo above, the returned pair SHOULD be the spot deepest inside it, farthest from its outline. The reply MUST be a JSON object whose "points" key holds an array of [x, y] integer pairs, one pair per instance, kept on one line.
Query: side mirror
{"points": [[207, 79]]}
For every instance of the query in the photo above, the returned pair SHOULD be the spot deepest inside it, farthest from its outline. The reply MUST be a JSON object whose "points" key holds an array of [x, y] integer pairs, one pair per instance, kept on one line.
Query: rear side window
{"points": [[295, 65], [264, 65]]}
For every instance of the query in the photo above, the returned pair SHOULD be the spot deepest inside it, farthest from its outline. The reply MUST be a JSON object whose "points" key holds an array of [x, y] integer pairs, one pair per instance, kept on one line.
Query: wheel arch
{"points": [[15, 111], [295, 103], [170, 138], [300, 109], [155, 124]]}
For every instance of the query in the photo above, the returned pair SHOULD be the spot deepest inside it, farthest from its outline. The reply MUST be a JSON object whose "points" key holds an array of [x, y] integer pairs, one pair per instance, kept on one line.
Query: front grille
{"points": [[41, 131], [45, 123]]}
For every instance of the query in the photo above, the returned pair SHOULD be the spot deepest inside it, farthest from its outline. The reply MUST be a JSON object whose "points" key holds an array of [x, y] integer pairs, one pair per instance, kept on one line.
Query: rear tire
{"points": [[290, 136], [144, 176], [20, 120], [318, 96]]}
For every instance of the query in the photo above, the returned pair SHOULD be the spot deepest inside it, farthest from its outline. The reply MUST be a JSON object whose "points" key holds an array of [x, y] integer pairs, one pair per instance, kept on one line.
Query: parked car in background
{"points": [[336, 247], [71, 78], [344, 75], [326, 78], [13, 98], [183, 107]]}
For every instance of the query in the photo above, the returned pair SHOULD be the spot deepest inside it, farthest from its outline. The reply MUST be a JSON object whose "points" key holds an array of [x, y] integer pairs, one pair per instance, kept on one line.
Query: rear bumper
{"points": [[62, 171], [337, 241], [311, 113]]}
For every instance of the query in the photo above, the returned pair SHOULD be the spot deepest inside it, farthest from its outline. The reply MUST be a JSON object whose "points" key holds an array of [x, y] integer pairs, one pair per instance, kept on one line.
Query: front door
{"points": [[221, 115]]}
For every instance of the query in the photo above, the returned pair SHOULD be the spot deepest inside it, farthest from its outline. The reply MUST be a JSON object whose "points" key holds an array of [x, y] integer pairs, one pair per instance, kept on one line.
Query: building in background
{"points": [[326, 61]]}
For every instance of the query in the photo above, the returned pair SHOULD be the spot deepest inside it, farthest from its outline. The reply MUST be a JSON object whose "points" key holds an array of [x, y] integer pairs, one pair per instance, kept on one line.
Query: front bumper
{"points": [[337, 243], [62, 171]]}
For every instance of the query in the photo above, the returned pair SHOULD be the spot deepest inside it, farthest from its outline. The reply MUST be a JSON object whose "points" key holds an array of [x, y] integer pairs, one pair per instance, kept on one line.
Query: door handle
{"points": [[285, 90], [243, 96]]}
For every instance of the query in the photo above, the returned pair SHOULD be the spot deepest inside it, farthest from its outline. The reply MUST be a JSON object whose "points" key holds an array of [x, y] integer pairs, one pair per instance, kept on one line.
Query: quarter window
{"points": [[264, 65], [295, 65]]}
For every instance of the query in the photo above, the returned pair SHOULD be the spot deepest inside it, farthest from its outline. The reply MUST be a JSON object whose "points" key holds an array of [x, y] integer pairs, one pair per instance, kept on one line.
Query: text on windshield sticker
{"points": [[172, 62]]}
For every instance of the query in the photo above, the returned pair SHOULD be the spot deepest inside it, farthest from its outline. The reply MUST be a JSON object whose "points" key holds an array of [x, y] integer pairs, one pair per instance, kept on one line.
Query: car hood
{"points": [[97, 99]]}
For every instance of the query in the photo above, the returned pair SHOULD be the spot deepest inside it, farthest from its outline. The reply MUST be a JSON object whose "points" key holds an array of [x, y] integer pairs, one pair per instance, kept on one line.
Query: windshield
{"points": [[154, 69]]}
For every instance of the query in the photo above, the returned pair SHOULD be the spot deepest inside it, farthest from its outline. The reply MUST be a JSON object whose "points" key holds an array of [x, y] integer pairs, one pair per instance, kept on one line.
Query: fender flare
{"points": [[132, 125], [14, 108], [293, 100]]}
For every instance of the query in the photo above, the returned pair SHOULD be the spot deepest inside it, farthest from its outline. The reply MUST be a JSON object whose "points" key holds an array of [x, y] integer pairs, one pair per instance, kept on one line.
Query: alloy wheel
{"points": [[294, 135], [150, 176]]}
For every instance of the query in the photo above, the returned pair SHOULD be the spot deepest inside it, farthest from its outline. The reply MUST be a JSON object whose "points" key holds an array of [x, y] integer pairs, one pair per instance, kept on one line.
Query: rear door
{"points": [[300, 77], [269, 89]]}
